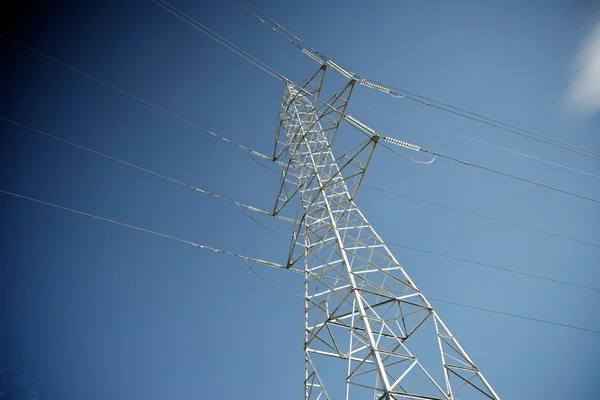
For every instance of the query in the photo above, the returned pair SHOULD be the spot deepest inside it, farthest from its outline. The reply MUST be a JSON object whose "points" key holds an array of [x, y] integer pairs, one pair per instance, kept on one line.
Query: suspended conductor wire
{"points": [[497, 147], [146, 102], [197, 25], [506, 174], [488, 169], [242, 53], [244, 207], [481, 215], [348, 118], [513, 271], [271, 284], [524, 155], [148, 171], [200, 246], [260, 155], [543, 321], [387, 89], [258, 260]]}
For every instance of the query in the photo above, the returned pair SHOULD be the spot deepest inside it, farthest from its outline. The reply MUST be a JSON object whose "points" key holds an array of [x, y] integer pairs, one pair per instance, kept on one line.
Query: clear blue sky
{"points": [[103, 312]]}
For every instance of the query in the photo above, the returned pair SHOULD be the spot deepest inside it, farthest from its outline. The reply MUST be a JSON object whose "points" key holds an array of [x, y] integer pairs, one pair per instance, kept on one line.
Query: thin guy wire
{"points": [[480, 215], [248, 150], [495, 267], [257, 260], [197, 189], [422, 99]]}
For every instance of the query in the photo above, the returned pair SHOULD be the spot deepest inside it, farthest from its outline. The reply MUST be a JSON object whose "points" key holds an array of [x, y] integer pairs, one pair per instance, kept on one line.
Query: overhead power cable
{"points": [[208, 32], [137, 228], [258, 260], [148, 171], [353, 121], [146, 102], [244, 207], [517, 153], [529, 156], [479, 166], [543, 321], [264, 157], [499, 220], [396, 92], [512, 271]]}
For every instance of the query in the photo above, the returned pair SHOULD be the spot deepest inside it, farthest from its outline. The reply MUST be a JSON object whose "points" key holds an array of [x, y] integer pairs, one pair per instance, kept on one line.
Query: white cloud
{"points": [[583, 94]]}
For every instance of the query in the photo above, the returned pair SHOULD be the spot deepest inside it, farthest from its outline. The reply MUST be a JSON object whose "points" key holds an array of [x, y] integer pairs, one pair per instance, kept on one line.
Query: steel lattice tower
{"points": [[370, 332]]}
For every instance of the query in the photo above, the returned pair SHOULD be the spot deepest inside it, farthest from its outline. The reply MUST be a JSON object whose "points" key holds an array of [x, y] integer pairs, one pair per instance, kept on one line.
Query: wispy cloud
{"points": [[583, 94]]}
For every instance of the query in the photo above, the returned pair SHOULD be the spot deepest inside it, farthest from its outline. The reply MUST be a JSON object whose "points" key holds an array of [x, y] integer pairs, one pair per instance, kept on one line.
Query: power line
{"points": [[360, 126], [513, 271], [543, 321], [506, 174], [244, 207], [401, 93], [353, 121], [264, 157], [148, 171], [197, 25], [200, 246], [480, 215], [139, 99], [260, 261], [525, 155]]}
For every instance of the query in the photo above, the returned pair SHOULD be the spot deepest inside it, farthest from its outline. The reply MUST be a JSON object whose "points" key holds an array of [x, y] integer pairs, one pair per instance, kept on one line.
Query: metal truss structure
{"points": [[370, 332]]}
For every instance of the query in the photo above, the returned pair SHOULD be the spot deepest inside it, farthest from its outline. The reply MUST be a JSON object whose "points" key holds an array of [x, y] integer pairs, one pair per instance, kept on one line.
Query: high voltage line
{"points": [[518, 153], [389, 89], [353, 121], [265, 262], [264, 157], [243, 207]]}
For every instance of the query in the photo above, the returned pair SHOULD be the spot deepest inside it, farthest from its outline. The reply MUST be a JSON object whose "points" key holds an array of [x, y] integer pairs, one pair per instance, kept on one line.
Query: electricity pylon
{"points": [[370, 332]]}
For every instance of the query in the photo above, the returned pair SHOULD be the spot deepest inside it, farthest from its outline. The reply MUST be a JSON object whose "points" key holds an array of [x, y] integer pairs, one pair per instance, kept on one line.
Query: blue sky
{"points": [[99, 311]]}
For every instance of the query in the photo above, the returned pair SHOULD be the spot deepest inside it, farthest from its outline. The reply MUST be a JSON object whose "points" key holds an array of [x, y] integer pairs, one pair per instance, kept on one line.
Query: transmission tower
{"points": [[370, 332]]}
